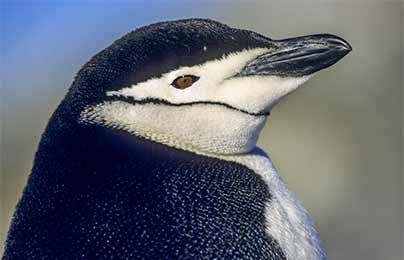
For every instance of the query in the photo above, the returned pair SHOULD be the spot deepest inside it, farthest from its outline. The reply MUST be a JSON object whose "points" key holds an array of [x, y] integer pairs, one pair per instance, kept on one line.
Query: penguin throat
{"points": [[200, 128], [133, 101]]}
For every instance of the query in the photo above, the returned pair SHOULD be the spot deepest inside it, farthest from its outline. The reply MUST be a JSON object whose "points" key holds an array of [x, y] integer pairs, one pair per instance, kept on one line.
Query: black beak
{"points": [[296, 57]]}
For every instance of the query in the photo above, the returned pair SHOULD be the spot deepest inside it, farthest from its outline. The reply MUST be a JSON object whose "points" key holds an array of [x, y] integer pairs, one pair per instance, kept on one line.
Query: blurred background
{"points": [[337, 141]]}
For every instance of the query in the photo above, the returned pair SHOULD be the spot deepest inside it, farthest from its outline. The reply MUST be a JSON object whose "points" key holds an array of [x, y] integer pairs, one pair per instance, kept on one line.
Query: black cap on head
{"points": [[159, 48]]}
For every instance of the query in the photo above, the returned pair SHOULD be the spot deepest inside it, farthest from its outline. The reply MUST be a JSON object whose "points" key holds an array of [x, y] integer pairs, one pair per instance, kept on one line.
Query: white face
{"points": [[209, 127]]}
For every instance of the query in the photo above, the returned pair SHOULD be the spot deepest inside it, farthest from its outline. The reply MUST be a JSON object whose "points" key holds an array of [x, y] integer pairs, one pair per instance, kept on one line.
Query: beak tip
{"points": [[338, 42], [347, 48]]}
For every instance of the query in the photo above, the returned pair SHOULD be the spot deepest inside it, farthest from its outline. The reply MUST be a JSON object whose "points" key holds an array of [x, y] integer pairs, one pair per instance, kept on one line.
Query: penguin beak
{"points": [[297, 57]]}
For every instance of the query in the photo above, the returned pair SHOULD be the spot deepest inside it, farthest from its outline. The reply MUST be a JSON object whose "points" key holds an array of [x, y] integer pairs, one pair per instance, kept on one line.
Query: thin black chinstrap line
{"points": [[133, 101]]}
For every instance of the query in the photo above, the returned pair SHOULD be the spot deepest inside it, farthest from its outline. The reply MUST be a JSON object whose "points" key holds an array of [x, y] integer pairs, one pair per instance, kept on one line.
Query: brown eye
{"points": [[184, 82]]}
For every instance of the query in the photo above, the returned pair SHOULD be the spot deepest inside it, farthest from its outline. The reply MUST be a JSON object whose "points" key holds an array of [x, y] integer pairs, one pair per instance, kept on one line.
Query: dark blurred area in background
{"points": [[337, 141]]}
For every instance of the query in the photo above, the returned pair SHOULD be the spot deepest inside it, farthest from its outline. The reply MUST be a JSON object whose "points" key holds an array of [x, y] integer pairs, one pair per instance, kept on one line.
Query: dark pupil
{"points": [[185, 82]]}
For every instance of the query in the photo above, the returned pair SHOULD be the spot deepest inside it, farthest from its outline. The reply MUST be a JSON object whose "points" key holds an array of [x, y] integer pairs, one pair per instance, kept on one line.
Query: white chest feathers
{"points": [[286, 220]]}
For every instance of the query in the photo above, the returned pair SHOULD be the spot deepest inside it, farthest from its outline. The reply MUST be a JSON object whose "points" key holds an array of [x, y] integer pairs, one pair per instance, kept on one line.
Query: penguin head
{"points": [[197, 84]]}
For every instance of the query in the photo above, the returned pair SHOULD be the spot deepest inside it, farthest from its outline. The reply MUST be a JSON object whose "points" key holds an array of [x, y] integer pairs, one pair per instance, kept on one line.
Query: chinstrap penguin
{"points": [[152, 153]]}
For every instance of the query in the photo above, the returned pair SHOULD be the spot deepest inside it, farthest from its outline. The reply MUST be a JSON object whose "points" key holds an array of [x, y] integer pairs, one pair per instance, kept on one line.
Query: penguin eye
{"points": [[183, 82]]}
